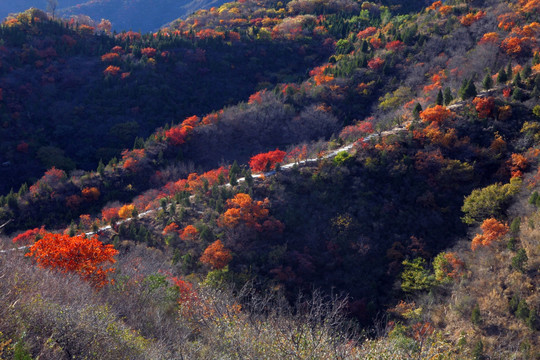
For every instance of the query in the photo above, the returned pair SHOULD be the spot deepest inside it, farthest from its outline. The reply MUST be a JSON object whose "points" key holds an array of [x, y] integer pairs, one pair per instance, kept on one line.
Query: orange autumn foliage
{"points": [[242, 209], [132, 158], [78, 254], [489, 38], [435, 5], [256, 98], [436, 114], [445, 10], [126, 211], [529, 30], [109, 214], [453, 266], [484, 106], [375, 63], [319, 75], [111, 70], [110, 57], [187, 296], [210, 34], [195, 182], [50, 179], [492, 230], [266, 161], [189, 233], [376, 43], [513, 45], [148, 52], [529, 6], [85, 221], [507, 21], [177, 135], [191, 121], [216, 255], [210, 119], [422, 330], [498, 145], [297, 154], [367, 32], [471, 18], [395, 45], [117, 49], [171, 228], [518, 163], [90, 194], [29, 235]]}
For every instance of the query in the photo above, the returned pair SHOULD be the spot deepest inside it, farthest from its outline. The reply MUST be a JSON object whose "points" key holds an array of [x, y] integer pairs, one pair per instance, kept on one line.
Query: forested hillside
{"points": [[303, 179]]}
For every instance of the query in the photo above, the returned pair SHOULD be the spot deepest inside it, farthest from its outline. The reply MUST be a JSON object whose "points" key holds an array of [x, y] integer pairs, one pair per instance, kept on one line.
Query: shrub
{"points": [[522, 311], [536, 111], [490, 201], [476, 318], [478, 351], [514, 227], [342, 157], [519, 262], [415, 276]]}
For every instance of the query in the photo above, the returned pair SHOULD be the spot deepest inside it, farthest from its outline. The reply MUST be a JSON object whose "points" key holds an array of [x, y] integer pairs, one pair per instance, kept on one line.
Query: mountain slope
{"points": [[419, 224]]}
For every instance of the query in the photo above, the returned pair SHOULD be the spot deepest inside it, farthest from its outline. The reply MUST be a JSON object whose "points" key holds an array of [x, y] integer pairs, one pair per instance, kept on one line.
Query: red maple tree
{"points": [[190, 233], [492, 230], [75, 254], [29, 235], [375, 63], [484, 106], [216, 255], [436, 114], [266, 161], [177, 135]]}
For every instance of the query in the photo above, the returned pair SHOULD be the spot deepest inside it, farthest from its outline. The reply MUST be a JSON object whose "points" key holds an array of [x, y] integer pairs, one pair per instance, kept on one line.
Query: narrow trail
{"points": [[288, 166]]}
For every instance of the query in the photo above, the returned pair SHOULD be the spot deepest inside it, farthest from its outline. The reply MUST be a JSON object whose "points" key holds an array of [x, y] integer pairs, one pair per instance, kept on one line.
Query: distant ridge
{"points": [[138, 15]]}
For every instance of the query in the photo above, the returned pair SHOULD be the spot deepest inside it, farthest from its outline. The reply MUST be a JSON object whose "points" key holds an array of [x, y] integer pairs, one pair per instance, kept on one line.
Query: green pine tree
{"points": [[502, 77], [509, 70], [478, 351], [416, 111], [536, 92], [526, 72], [536, 59], [517, 80], [249, 178], [233, 174], [448, 96], [518, 94], [476, 318], [522, 311], [469, 91], [487, 83], [101, 167], [532, 320], [365, 46], [519, 262], [440, 99]]}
